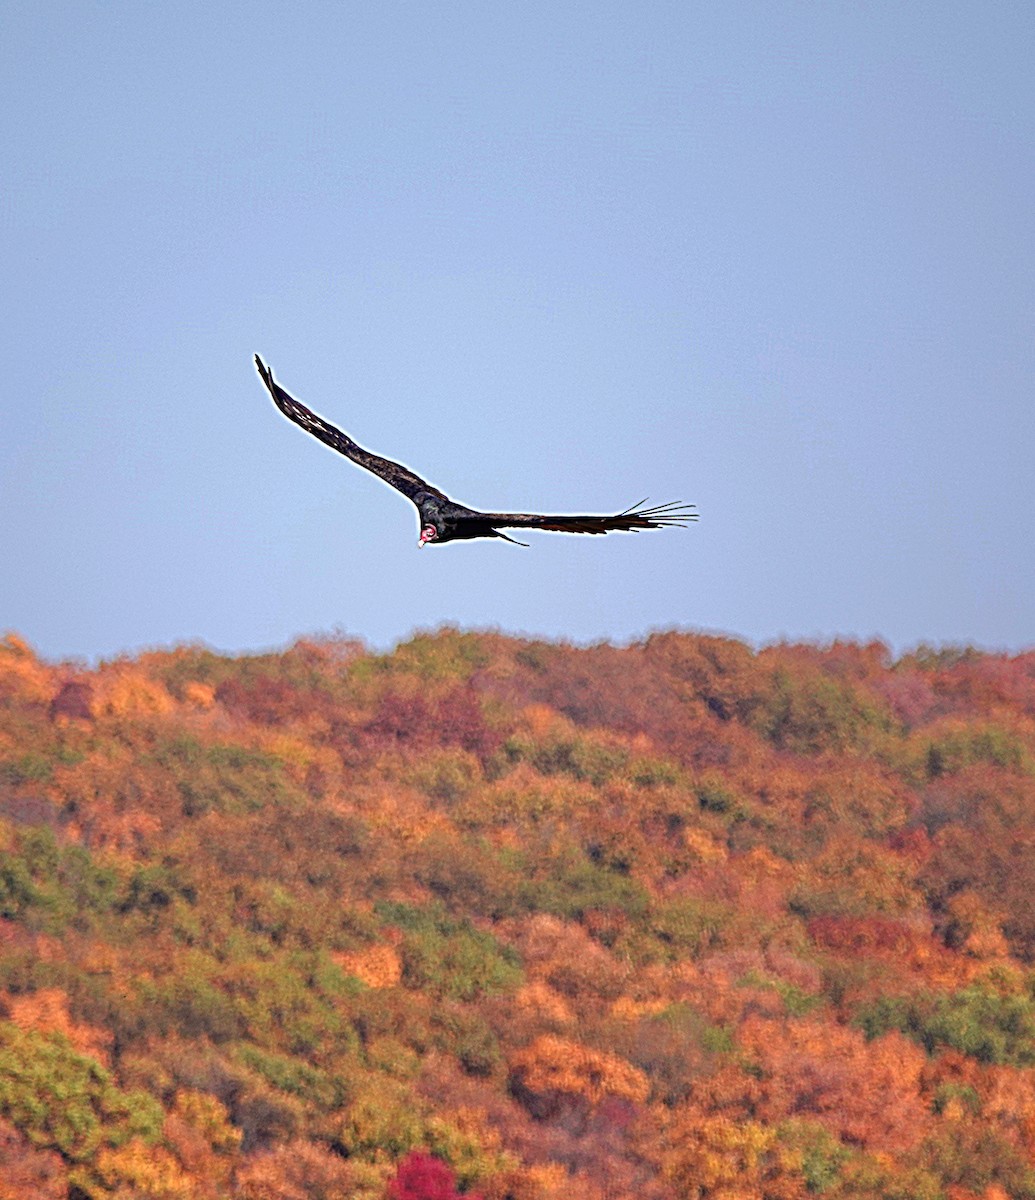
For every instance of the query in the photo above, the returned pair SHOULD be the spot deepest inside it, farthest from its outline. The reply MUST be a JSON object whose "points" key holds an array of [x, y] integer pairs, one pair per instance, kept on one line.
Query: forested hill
{"points": [[502, 917]]}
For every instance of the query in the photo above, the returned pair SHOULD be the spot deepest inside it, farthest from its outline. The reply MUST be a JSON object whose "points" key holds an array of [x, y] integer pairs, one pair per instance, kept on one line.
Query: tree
{"points": [[421, 1176], [714, 1158]]}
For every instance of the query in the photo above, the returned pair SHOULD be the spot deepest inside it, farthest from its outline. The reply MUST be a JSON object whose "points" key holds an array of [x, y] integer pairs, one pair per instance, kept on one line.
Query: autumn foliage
{"points": [[497, 918], [421, 1176]]}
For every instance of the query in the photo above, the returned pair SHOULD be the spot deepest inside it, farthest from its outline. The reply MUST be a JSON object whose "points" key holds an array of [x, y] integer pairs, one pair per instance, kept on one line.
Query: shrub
{"points": [[572, 886], [225, 777], [959, 745], [689, 927], [51, 883], [810, 713], [978, 1021], [450, 959], [65, 1101]]}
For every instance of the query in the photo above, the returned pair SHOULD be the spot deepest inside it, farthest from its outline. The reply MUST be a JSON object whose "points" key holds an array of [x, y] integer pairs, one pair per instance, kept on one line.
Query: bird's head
{"points": [[433, 523]]}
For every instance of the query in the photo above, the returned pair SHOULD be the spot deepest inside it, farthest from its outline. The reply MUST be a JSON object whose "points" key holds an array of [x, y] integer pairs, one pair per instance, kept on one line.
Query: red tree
{"points": [[422, 1176]]}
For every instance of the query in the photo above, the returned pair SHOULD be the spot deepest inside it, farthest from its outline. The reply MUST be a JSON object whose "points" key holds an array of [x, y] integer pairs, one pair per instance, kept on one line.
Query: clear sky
{"points": [[775, 259]]}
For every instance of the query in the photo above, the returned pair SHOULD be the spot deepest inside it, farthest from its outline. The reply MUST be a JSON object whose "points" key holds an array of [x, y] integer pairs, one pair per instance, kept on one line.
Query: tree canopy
{"points": [[500, 918]]}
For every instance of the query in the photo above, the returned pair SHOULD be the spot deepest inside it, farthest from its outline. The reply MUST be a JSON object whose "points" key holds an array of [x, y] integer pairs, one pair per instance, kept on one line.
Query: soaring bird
{"points": [[442, 519]]}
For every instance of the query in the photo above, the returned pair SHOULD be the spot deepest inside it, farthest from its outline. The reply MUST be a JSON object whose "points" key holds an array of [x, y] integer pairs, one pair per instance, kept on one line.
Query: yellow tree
{"points": [[714, 1158]]}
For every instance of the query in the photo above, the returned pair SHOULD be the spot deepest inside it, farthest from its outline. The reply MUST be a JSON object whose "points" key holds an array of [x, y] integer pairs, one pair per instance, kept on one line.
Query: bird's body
{"points": [[442, 519]]}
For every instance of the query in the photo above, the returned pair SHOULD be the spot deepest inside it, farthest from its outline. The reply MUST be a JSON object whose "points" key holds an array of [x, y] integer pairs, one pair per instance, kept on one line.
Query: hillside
{"points": [[509, 918]]}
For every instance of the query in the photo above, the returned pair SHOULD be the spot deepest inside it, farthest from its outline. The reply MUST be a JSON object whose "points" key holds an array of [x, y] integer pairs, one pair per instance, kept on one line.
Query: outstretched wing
{"points": [[400, 477], [630, 521]]}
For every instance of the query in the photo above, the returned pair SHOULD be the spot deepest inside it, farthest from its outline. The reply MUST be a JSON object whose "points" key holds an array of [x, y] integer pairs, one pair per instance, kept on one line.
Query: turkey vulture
{"points": [[442, 519]]}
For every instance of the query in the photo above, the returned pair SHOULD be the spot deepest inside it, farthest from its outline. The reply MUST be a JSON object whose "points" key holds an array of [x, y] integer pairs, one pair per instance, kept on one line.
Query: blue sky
{"points": [[775, 259]]}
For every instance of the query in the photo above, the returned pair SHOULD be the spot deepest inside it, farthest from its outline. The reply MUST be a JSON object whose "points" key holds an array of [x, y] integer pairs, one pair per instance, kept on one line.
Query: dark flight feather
{"points": [[444, 520], [400, 477], [630, 521]]}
